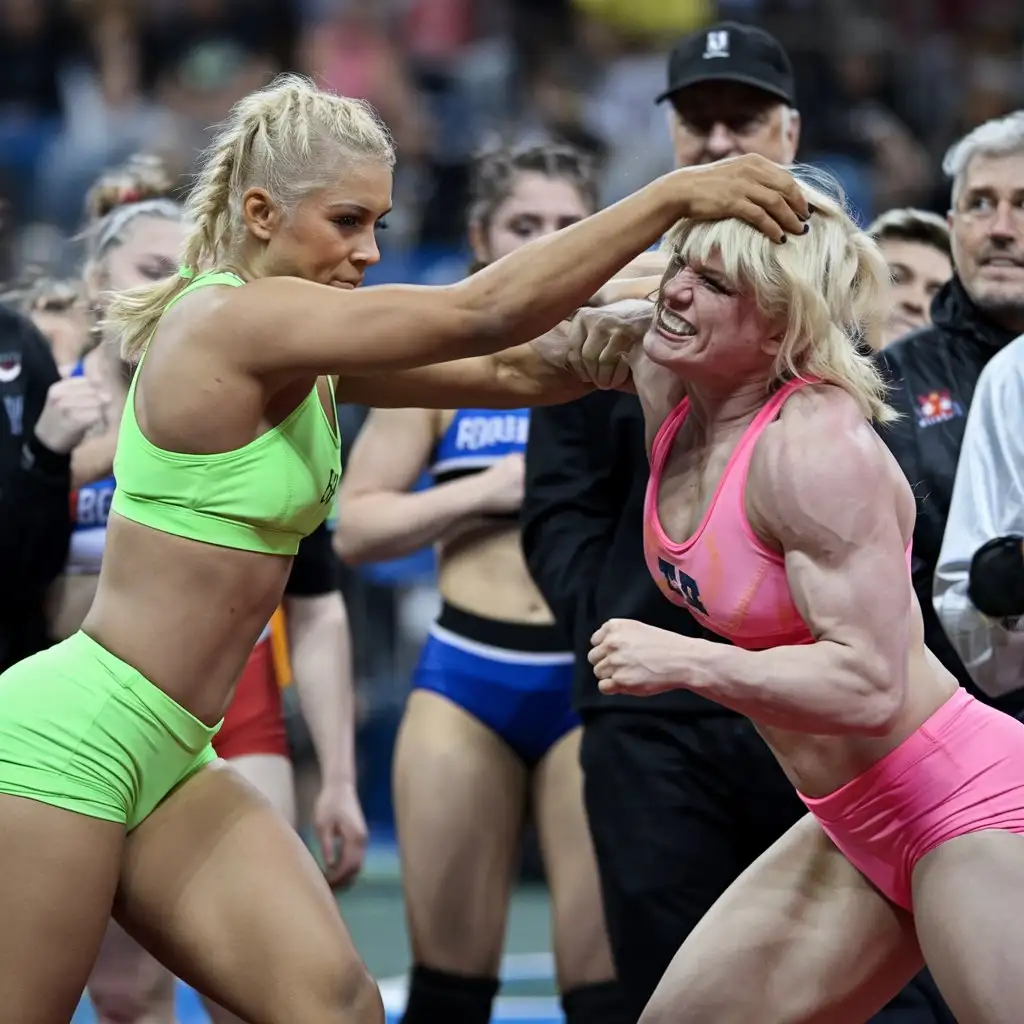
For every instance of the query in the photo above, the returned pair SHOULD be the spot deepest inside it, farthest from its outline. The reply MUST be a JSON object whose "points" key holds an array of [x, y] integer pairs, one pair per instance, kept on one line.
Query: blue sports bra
{"points": [[90, 507], [478, 438]]}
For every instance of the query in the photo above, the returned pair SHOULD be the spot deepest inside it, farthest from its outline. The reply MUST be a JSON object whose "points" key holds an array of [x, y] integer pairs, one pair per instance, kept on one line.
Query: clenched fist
{"points": [[73, 406]]}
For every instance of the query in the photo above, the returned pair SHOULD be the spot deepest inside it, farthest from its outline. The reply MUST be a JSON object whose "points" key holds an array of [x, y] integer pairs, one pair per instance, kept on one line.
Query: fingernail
{"points": [[807, 227], [782, 240]]}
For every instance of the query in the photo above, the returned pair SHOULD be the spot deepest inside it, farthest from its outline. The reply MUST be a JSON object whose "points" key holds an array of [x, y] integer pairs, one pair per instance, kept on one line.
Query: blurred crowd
{"points": [[883, 88]]}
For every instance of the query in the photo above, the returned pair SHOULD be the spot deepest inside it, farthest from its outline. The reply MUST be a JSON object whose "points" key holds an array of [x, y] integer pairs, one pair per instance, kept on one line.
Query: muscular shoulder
{"points": [[820, 471]]}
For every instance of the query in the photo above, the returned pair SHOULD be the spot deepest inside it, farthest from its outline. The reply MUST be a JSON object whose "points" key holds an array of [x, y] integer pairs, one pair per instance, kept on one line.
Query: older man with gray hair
{"points": [[935, 370]]}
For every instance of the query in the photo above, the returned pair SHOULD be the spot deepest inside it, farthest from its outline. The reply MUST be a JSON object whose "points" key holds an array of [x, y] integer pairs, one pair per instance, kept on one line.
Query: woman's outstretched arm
{"points": [[281, 326]]}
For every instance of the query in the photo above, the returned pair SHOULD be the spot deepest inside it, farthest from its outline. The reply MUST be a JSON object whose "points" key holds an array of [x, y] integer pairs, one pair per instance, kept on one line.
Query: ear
{"points": [[478, 243], [261, 214], [93, 279], [772, 345], [793, 133]]}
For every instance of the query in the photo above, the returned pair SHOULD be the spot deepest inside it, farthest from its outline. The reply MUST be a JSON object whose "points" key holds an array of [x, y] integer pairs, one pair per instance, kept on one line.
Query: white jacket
{"points": [[987, 502]]}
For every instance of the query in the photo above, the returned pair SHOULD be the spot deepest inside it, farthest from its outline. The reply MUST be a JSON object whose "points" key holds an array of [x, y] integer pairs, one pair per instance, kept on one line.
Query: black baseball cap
{"points": [[731, 52]]}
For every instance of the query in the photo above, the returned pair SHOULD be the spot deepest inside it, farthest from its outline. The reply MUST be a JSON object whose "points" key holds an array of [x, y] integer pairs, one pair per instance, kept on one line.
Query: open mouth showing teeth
{"points": [[671, 323]]}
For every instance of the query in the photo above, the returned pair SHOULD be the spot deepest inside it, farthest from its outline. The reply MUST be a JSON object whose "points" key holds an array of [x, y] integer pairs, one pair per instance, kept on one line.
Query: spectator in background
{"points": [[935, 370], [681, 795], [979, 581], [915, 244], [489, 722], [43, 419], [57, 308]]}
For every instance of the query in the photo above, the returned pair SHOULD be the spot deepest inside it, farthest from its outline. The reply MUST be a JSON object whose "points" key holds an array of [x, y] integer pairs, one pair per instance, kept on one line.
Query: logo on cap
{"points": [[716, 45]]}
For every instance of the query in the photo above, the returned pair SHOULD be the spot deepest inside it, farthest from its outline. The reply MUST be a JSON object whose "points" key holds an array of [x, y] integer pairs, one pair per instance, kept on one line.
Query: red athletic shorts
{"points": [[254, 723]]}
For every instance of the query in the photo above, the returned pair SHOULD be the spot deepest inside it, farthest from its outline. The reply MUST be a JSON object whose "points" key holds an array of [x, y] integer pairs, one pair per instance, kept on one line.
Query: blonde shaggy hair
{"points": [[829, 287]]}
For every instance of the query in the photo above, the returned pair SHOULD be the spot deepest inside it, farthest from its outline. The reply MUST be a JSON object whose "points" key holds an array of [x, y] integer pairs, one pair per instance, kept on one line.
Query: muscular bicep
{"points": [[833, 502], [389, 453]]}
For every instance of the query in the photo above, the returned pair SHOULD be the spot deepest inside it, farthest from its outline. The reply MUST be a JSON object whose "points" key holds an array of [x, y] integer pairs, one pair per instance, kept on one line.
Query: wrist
{"points": [[676, 193], [36, 454], [475, 498], [337, 776]]}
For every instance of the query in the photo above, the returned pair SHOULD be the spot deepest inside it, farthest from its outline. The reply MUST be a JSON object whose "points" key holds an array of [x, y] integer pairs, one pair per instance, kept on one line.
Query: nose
{"points": [[366, 252], [720, 142], [1004, 226], [914, 304], [678, 290]]}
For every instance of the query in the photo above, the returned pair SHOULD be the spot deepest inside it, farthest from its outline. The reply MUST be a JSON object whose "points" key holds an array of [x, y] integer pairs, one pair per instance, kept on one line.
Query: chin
{"points": [[671, 355]]}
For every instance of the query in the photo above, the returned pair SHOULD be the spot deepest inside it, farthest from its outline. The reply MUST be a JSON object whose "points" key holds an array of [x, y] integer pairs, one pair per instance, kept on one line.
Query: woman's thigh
{"points": [[219, 888], [801, 937], [460, 800]]}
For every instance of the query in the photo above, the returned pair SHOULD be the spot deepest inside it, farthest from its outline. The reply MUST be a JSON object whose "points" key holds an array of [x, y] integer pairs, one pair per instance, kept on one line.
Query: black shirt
{"points": [[35, 487], [582, 518], [934, 372], [314, 569]]}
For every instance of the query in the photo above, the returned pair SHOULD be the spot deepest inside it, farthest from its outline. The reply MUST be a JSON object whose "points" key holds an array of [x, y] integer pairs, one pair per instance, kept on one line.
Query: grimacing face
{"points": [[917, 271], [538, 205], [330, 237], [714, 120], [987, 226], [706, 327]]}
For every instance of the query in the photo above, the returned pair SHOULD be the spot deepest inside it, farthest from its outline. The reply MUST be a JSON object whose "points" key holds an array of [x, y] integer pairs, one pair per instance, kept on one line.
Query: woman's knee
{"points": [[348, 995], [133, 996]]}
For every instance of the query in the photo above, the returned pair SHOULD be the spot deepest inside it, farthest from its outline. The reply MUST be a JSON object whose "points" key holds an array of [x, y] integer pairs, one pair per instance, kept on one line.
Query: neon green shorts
{"points": [[81, 730]]}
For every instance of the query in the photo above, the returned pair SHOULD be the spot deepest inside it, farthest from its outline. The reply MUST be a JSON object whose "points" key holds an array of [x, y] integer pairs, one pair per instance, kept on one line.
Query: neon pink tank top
{"points": [[723, 575]]}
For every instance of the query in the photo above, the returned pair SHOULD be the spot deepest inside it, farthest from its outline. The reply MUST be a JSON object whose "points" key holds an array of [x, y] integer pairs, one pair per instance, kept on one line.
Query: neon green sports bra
{"points": [[265, 496]]}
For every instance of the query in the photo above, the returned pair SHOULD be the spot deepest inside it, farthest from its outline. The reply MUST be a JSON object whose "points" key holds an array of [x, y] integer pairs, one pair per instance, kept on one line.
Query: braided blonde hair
{"points": [[284, 138]]}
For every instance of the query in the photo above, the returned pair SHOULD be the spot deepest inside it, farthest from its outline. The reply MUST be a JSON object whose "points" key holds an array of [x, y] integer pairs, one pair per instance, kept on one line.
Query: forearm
{"points": [[386, 525], [321, 655], [93, 459], [523, 294], [524, 373], [821, 687]]}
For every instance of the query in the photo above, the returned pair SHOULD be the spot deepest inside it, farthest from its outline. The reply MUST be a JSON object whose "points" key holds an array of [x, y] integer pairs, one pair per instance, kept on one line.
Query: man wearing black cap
{"points": [[731, 91], [681, 794]]}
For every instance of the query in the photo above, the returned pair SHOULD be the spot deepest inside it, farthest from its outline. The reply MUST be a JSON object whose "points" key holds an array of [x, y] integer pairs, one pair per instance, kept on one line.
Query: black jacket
{"points": [[582, 519], [35, 521], [934, 372]]}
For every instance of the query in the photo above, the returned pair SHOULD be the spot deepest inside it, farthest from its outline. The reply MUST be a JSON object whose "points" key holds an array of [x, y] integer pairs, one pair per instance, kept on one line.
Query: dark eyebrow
{"points": [[366, 211]]}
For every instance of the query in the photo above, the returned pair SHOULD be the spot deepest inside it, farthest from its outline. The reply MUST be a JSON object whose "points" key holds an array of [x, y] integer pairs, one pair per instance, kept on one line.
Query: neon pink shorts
{"points": [[962, 771]]}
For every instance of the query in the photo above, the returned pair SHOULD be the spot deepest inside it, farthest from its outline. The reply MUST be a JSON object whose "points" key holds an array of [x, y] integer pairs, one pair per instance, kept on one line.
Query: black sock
{"points": [[596, 1004], [436, 997]]}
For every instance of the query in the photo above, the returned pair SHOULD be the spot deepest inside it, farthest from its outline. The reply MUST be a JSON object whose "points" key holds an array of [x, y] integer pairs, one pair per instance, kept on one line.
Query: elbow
{"points": [[874, 690], [881, 713], [350, 547], [882, 696]]}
